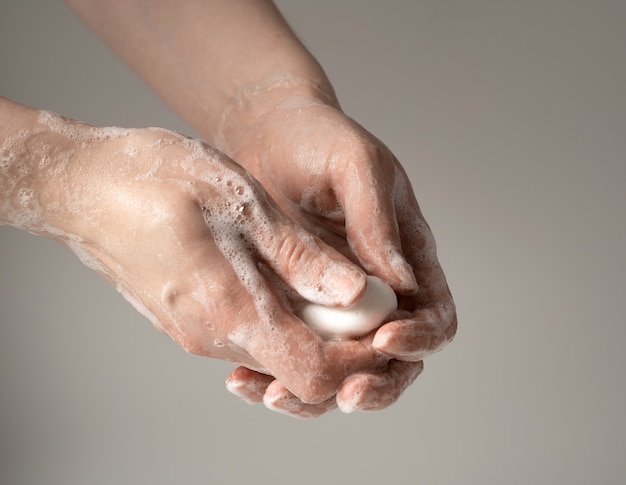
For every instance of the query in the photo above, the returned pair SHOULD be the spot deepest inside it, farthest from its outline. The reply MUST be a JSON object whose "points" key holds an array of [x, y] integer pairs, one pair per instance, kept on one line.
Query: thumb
{"points": [[255, 223], [316, 271]]}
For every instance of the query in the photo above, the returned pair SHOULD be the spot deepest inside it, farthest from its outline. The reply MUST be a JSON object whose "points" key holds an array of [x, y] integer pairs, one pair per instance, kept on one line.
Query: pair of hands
{"points": [[215, 259]]}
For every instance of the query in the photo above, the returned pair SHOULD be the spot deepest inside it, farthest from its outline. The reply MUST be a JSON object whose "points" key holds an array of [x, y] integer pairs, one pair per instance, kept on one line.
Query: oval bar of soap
{"points": [[377, 302]]}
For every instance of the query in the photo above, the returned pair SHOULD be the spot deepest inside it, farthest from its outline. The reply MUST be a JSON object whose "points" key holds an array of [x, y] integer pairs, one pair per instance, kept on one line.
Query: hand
{"points": [[365, 391], [257, 93], [191, 239], [344, 185]]}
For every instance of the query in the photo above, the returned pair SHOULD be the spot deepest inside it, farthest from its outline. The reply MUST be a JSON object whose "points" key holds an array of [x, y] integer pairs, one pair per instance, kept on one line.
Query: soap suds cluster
{"points": [[16, 179]]}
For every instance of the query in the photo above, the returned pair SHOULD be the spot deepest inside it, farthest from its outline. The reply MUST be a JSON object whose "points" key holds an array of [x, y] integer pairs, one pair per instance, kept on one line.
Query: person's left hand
{"points": [[344, 185]]}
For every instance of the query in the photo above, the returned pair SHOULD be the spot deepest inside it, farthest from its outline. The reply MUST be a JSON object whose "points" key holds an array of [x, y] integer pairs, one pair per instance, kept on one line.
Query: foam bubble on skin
{"points": [[78, 247], [424, 247], [28, 161], [378, 301], [232, 241], [19, 203], [82, 134], [25, 196], [436, 313]]}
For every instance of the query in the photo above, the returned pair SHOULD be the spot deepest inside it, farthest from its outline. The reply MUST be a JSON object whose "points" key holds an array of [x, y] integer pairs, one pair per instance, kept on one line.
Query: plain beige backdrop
{"points": [[510, 117]]}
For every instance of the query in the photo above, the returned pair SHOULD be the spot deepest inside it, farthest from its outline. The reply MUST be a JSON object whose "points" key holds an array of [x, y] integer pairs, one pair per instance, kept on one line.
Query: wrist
{"points": [[255, 103], [36, 150]]}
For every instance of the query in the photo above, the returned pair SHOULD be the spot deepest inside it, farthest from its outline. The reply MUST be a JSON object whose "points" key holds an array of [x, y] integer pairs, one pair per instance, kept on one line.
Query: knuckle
{"points": [[292, 250], [315, 390], [318, 385]]}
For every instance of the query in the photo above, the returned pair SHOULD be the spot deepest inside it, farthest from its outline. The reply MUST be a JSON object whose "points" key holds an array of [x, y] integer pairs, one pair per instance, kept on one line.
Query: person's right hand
{"points": [[194, 243], [345, 186]]}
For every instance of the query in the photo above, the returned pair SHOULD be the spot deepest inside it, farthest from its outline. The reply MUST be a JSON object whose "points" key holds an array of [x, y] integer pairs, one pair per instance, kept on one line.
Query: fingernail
{"points": [[353, 394], [360, 401], [345, 285], [236, 388], [381, 339], [270, 401], [280, 403], [403, 271]]}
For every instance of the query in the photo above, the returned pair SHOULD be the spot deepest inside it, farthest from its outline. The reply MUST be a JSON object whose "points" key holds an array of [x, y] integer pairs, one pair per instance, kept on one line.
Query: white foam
{"points": [[79, 132]]}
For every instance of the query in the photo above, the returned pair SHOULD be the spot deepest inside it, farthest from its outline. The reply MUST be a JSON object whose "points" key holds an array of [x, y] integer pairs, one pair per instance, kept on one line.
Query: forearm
{"points": [[206, 58]]}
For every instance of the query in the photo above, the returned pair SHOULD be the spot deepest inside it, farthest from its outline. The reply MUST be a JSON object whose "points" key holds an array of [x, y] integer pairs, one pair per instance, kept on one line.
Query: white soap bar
{"points": [[377, 302]]}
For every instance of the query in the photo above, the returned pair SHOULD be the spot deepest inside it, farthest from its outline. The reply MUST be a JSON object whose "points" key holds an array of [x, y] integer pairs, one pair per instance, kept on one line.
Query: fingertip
{"points": [[237, 388], [274, 393], [426, 332], [346, 407], [279, 399], [374, 392], [247, 384], [340, 285], [397, 340], [347, 284], [353, 393], [406, 283], [390, 265], [381, 340]]}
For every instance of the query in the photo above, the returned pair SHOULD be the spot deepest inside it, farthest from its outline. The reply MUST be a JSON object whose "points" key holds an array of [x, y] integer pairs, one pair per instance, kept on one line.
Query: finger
{"points": [[316, 271], [376, 391], [426, 320], [426, 332], [309, 366], [247, 384], [278, 398], [366, 195]]}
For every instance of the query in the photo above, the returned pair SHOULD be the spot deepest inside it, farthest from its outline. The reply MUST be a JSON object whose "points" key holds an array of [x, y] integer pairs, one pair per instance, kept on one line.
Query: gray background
{"points": [[510, 117]]}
